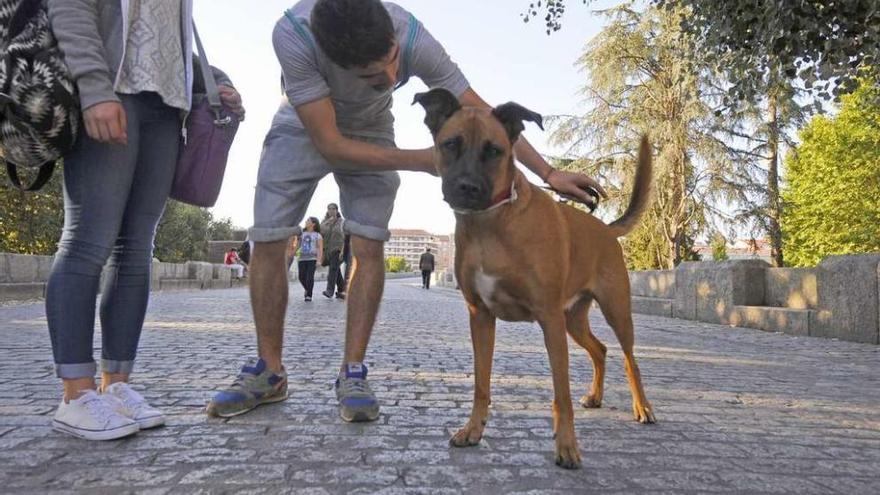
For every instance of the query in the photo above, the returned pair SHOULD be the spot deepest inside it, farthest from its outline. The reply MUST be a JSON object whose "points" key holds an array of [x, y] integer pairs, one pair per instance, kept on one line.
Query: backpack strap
{"points": [[43, 176], [298, 25], [406, 60]]}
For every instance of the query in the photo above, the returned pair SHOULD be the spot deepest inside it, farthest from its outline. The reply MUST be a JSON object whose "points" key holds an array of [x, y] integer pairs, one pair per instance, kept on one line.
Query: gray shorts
{"points": [[290, 168]]}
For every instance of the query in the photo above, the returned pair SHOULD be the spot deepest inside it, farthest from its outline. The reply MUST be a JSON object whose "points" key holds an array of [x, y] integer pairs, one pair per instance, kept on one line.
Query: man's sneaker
{"points": [[340, 295], [356, 401], [327, 294], [133, 405], [93, 417], [308, 298], [254, 385]]}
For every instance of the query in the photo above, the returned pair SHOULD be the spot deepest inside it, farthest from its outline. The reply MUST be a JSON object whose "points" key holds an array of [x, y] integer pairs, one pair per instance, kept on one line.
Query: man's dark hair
{"points": [[353, 33]]}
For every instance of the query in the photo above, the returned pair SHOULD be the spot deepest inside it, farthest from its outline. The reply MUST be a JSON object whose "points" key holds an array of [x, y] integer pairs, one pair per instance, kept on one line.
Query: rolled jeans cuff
{"points": [[110, 366], [68, 371]]}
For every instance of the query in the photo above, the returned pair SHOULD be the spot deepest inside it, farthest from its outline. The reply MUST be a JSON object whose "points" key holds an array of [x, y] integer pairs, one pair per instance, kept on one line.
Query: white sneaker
{"points": [[133, 405], [92, 417]]}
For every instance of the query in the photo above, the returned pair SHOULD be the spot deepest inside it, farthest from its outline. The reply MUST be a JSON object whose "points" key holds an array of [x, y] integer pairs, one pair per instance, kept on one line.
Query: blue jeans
{"points": [[114, 197]]}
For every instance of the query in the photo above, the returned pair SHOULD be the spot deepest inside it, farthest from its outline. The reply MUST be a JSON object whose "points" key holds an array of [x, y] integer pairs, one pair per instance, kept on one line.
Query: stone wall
{"points": [[23, 277], [839, 299]]}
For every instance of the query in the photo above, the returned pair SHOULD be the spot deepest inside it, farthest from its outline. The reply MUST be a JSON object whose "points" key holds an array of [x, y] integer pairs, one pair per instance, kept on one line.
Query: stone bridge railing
{"points": [[839, 298], [24, 277]]}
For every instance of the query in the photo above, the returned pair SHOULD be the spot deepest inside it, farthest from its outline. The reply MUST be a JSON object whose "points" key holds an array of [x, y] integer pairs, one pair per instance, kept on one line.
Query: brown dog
{"points": [[521, 256]]}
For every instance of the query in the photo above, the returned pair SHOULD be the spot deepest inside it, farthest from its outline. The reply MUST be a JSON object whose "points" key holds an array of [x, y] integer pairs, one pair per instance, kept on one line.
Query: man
{"points": [[334, 243], [426, 265], [341, 61]]}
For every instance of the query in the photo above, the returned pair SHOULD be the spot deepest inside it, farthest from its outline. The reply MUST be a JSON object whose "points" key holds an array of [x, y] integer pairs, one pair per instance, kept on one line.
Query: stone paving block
{"points": [[740, 411]]}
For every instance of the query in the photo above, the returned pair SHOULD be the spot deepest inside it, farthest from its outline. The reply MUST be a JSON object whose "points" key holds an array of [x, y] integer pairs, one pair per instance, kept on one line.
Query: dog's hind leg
{"points": [[614, 300], [483, 340], [578, 325]]}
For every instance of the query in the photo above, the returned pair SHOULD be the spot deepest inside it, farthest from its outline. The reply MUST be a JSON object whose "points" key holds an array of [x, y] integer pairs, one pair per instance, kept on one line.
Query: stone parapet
{"points": [[24, 277]]}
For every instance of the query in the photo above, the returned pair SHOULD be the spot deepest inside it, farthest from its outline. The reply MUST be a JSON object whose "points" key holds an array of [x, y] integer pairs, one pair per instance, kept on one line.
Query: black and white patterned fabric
{"points": [[39, 108]]}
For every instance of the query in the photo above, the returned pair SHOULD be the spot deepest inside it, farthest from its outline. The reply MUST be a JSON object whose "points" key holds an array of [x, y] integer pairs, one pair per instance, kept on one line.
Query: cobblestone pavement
{"points": [[739, 410]]}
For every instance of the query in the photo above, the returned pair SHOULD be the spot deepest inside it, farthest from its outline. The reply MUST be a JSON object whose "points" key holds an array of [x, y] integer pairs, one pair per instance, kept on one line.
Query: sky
{"points": [[504, 59]]}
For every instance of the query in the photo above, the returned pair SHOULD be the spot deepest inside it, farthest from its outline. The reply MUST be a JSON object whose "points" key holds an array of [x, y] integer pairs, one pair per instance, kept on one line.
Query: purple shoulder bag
{"points": [[204, 149]]}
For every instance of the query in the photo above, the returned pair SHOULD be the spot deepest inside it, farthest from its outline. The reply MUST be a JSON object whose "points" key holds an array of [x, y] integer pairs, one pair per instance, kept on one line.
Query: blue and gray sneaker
{"points": [[356, 401], [254, 385]]}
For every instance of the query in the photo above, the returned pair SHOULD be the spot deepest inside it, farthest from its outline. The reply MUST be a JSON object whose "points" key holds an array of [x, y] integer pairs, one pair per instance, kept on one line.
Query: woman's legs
{"points": [[303, 277], [97, 183], [307, 275], [126, 288], [310, 276]]}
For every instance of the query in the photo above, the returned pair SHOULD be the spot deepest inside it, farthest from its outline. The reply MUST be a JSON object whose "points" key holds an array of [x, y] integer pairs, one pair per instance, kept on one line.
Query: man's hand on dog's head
{"points": [[577, 186]]}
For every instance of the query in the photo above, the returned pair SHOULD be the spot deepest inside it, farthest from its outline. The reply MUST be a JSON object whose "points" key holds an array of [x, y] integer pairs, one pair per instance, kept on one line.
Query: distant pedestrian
{"points": [[334, 242], [426, 265], [310, 245], [233, 261]]}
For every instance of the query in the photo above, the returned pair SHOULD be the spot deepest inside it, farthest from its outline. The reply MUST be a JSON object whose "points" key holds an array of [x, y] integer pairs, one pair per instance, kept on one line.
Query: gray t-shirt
{"points": [[309, 75], [308, 248]]}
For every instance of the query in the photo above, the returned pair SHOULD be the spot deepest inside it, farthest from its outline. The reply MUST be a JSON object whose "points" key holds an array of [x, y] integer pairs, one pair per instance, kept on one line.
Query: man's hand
{"points": [[106, 123], [576, 186], [232, 100]]}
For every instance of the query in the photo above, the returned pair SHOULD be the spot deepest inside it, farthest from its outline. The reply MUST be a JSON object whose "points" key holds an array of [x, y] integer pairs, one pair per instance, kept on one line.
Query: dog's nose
{"points": [[468, 188]]}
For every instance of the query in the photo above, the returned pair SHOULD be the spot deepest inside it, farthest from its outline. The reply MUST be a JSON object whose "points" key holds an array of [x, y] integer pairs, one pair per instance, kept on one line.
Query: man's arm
{"points": [[319, 119], [568, 183]]}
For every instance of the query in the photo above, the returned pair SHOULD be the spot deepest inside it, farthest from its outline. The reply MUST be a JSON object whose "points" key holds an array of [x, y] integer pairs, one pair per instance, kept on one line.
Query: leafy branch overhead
{"points": [[825, 44]]}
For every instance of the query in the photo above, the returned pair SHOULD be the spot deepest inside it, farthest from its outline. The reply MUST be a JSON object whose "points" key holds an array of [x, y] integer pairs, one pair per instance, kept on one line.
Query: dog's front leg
{"points": [[555, 338], [483, 339]]}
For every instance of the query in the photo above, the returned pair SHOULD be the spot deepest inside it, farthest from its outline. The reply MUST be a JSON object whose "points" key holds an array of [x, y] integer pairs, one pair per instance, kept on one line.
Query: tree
{"points": [[31, 222], [184, 232], [641, 81], [718, 244], [833, 192], [395, 264], [823, 43]]}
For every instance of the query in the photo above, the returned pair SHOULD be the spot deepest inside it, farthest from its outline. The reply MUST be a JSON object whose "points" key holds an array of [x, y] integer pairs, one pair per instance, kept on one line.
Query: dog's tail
{"points": [[641, 193]]}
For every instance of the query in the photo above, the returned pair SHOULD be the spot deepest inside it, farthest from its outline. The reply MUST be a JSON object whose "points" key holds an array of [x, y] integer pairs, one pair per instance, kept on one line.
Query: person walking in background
{"points": [[133, 69], [426, 265], [311, 248], [334, 242]]}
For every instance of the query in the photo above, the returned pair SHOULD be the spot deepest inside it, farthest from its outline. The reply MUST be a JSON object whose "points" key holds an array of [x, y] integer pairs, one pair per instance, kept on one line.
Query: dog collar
{"points": [[507, 196]]}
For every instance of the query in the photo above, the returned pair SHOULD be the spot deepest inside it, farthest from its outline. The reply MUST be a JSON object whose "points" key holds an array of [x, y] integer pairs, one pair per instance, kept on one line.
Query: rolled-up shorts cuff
{"points": [[72, 371], [272, 234], [366, 231], [111, 366]]}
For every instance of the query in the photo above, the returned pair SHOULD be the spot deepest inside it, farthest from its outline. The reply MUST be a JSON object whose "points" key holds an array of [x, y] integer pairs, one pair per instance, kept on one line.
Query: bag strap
{"points": [[213, 93], [43, 176]]}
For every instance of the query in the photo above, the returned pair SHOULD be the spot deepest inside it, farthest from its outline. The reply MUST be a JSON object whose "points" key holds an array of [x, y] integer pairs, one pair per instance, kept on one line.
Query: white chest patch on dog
{"points": [[485, 285]]}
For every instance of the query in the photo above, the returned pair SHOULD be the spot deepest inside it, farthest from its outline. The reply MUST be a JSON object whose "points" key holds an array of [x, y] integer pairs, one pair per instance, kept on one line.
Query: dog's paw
{"points": [[591, 401], [468, 436], [644, 414], [568, 457]]}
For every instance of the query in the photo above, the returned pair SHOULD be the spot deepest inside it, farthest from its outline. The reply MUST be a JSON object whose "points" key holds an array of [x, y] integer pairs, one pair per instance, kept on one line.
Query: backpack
{"points": [[39, 107], [244, 252]]}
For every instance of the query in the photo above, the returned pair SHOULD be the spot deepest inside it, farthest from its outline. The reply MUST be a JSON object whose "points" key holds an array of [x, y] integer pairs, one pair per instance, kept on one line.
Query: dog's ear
{"points": [[511, 115], [439, 105]]}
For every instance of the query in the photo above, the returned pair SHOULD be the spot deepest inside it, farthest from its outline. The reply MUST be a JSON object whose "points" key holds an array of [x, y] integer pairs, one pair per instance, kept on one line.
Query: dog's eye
{"points": [[490, 151], [452, 144]]}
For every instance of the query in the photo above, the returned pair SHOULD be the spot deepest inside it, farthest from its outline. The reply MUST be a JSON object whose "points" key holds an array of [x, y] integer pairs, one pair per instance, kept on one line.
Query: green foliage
{"points": [[718, 244], [823, 43], [395, 264], [833, 194], [641, 81], [31, 222], [184, 232]]}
